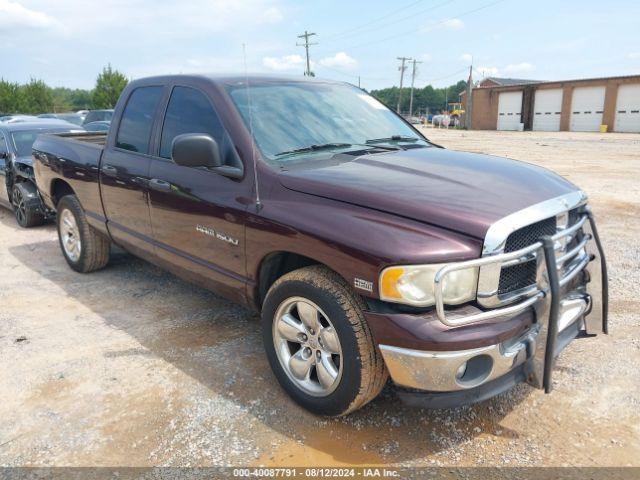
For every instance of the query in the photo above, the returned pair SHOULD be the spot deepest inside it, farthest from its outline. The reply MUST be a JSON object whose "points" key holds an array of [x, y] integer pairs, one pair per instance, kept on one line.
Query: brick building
{"points": [[568, 105]]}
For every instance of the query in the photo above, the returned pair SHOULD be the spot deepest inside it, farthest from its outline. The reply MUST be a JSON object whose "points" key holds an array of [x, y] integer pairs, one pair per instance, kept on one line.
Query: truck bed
{"points": [[75, 159], [98, 138]]}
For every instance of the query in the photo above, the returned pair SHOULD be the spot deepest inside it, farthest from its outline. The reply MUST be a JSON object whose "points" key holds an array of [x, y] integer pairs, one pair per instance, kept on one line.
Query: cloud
{"points": [[453, 24], [272, 15], [339, 60], [287, 62], [523, 67], [466, 57], [426, 57], [14, 16], [449, 24], [488, 71], [633, 55], [90, 20]]}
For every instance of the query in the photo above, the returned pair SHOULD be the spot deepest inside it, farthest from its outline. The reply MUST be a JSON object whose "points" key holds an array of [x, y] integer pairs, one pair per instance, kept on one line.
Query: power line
{"points": [[376, 20], [441, 22], [306, 46], [394, 22]]}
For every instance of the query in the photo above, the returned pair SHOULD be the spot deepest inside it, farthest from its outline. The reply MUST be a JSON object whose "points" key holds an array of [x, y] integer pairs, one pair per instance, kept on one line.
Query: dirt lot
{"points": [[131, 366]]}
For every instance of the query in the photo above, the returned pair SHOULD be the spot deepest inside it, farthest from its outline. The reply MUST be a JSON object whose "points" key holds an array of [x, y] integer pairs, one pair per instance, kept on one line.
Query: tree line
{"points": [[427, 99], [37, 97]]}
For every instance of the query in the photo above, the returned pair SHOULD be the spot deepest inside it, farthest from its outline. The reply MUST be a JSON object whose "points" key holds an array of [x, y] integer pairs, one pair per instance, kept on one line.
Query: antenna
{"points": [[253, 147]]}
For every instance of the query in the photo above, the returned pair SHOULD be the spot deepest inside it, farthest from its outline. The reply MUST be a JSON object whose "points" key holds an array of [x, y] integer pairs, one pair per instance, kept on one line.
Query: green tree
{"points": [[9, 97], [66, 99], [425, 99], [109, 85], [35, 97]]}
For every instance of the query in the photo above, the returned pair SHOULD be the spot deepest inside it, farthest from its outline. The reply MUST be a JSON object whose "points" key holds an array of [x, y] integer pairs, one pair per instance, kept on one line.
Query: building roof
{"points": [[505, 82]]}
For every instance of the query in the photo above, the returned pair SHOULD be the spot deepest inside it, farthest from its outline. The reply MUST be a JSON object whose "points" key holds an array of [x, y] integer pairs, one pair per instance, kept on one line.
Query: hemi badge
{"points": [[363, 284]]}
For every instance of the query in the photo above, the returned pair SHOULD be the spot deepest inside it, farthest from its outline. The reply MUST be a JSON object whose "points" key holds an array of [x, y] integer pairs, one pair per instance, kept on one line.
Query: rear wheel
{"points": [[84, 249], [319, 344], [27, 214]]}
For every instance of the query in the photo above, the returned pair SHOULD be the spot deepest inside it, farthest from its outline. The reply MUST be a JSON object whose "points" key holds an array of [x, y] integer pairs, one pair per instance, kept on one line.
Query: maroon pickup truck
{"points": [[369, 251]]}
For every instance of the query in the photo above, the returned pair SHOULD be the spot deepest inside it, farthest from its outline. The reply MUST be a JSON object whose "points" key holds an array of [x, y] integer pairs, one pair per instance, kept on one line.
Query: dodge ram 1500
{"points": [[369, 251]]}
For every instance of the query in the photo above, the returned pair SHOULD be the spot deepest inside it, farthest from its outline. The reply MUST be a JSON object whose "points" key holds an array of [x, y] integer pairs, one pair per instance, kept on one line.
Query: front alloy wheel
{"points": [[307, 346], [318, 342]]}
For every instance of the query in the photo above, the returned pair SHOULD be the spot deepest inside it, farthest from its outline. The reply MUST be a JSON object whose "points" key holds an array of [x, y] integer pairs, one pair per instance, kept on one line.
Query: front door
{"points": [[197, 219], [124, 172]]}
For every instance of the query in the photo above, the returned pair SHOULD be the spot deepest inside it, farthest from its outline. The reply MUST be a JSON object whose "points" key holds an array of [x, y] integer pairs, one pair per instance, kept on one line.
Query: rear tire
{"points": [[298, 353], [27, 215], [84, 249]]}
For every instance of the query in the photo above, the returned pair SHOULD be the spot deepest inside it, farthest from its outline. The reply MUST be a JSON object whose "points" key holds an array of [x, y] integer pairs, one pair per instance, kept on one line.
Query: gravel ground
{"points": [[131, 366]]}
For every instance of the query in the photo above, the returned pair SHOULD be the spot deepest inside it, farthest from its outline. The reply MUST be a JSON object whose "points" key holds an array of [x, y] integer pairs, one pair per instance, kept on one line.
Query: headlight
{"points": [[413, 285]]}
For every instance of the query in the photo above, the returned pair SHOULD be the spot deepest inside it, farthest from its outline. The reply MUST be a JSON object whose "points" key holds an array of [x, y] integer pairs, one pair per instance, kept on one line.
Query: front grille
{"points": [[523, 275]]}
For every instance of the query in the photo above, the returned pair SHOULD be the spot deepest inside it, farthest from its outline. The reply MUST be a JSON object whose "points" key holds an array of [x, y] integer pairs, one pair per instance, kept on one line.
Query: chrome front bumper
{"points": [[561, 313]]}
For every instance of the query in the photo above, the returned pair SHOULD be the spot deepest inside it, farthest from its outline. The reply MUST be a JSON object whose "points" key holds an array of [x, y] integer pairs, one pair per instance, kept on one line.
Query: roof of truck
{"points": [[238, 78]]}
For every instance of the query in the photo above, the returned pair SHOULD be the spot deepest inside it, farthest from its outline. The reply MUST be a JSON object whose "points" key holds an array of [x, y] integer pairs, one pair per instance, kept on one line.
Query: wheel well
{"points": [[274, 266], [60, 188]]}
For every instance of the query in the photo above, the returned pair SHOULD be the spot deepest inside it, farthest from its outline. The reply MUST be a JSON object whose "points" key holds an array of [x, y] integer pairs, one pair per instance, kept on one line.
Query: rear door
{"points": [[124, 171], [197, 215]]}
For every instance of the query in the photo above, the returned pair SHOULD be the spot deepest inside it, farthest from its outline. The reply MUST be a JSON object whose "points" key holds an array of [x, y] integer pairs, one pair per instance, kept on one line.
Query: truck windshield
{"points": [[290, 119]]}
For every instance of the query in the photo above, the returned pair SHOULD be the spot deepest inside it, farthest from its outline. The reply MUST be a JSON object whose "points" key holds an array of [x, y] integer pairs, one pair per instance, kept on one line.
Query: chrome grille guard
{"points": [[553, 273]]}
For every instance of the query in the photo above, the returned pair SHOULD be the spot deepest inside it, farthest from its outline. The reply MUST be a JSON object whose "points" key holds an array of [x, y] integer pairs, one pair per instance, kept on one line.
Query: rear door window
{"points": [[137, 120], [189, 111]]}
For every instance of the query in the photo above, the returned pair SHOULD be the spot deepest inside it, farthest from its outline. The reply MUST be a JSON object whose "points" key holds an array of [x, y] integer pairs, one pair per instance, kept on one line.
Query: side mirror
{"points": [[196, 150], [4, 155]]}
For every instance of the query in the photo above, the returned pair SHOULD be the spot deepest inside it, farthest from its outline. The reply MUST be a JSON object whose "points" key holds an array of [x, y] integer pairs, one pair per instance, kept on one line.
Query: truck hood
{"points": [[460, 191]]}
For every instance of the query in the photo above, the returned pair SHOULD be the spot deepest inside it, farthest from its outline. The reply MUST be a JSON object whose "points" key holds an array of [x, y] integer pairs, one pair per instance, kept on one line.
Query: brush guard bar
{"points": [[555, 271]]}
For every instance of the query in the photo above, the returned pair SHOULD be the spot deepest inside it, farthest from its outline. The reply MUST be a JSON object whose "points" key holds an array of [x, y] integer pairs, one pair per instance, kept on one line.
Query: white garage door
{"points": [[587, 105], [628, 109], [546, 110], [509, 110]]}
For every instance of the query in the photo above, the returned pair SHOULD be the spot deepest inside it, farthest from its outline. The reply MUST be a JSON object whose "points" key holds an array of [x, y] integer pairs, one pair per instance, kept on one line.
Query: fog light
{"points": [[462, 369], [474, 371]]}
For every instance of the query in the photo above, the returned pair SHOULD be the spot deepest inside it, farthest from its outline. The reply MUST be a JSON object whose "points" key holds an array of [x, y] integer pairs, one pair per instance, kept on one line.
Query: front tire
{"points": [[318, 342], [84, 249], [27, 215]]}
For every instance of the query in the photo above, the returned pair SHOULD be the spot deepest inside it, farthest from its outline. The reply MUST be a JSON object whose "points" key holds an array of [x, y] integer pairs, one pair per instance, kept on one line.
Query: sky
{"points": [[68, 42]]}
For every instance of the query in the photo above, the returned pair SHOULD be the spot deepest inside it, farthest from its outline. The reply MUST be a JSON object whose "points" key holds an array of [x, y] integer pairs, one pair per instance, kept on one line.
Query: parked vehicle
{"points": [[17, 187], [368, 250], [18, 118], [101, 126], [74, 118], [98, 116]]}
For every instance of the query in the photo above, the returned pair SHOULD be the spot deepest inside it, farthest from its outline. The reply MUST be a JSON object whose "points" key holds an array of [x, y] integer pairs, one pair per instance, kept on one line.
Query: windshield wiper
{"points": [[393, 138], [314, 148]]}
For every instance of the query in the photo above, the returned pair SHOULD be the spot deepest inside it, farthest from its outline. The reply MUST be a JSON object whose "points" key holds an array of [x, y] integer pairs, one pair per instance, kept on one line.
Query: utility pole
{"points": [[402, 68], [469, 106], [306, 46], [413, 78]]}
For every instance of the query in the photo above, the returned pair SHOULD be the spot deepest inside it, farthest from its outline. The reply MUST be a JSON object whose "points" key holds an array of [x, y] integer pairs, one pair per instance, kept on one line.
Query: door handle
{"points": [[159, 185], [109, 170]]}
